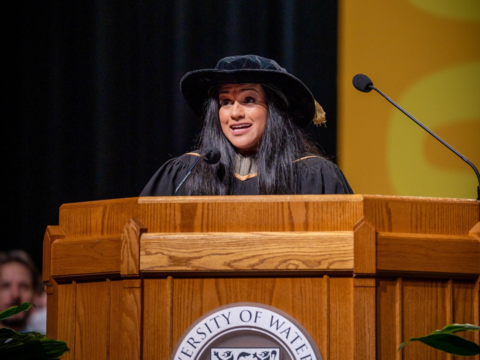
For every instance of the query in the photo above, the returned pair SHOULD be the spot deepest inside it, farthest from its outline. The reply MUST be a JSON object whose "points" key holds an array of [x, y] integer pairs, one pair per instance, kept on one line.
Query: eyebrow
{"points": [[244, 89]]}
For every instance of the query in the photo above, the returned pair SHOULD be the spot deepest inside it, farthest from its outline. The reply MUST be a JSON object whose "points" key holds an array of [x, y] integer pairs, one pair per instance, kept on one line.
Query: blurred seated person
{"points": [[37, 319], [20, 282]]}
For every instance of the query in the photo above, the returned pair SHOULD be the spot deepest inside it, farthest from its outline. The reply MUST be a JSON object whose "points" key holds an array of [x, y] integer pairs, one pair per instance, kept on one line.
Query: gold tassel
{"points": [[319, 117]]}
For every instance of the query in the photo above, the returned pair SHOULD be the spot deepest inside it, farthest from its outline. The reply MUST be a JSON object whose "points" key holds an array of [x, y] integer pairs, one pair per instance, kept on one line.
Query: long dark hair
{"points": [[282, 143]]}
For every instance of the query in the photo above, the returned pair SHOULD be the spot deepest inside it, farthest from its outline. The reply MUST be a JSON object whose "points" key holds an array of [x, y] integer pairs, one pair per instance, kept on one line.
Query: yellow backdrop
{"points": [[425, 55]]}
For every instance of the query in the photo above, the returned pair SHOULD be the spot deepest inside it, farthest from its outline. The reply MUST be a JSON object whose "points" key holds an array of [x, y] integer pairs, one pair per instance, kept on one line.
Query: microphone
{"points": [[363, 83], [210, 155]]}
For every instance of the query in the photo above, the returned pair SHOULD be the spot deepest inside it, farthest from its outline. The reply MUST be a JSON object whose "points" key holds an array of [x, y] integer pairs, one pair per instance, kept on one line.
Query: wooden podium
{"points": [[125, 278]]}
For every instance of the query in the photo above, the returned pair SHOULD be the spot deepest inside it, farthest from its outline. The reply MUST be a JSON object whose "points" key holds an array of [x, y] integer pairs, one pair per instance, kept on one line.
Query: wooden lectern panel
{"points": [[240, 252], [428, 253], [158, 324], [92, 320], [421, 215], [322, 305], [362, 273], [413, 307]]}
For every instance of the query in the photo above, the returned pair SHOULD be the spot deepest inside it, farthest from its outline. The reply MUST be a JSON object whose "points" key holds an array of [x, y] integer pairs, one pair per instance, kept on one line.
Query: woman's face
{"points": [[243, 115]]}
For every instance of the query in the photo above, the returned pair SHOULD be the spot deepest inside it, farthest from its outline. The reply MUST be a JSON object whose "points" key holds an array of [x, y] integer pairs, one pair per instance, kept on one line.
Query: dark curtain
{"points": [[94, 107]]}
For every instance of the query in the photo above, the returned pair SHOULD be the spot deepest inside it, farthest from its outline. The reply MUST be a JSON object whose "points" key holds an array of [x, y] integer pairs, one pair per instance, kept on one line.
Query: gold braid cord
{"points": [[319, 117]]}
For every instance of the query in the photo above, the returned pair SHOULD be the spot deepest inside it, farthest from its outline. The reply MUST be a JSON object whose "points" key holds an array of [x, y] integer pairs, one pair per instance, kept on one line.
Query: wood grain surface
{"points": [[475, 231], [52, 234], [412, 308], [125, 325], [52, 310], [475, 311], [271, 213], [97, 218], [447, 254], [387, 345], [364, 250], [421, 215], [131, 325], [158, 320], [117, 291], [92, 320], [463, 306], [424, 310], [341, 319], [302, 298], [116, 331], [323, 324], [251, 213], [287, 251], [387, 320], [87, 256], [66, 316], [364, 318], [129, 256]]}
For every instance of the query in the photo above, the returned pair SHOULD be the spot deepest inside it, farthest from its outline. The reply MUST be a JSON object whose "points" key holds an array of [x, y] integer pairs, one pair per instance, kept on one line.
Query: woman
{"points": [[253, 110]]}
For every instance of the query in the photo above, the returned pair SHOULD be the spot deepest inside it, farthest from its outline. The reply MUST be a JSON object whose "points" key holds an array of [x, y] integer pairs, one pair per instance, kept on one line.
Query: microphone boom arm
{"points": [[188, 172], [210, 155], [433, 134]]}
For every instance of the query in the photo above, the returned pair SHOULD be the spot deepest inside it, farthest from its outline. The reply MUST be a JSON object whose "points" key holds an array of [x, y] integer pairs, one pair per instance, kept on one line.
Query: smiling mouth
{"points": [[240, 127]]}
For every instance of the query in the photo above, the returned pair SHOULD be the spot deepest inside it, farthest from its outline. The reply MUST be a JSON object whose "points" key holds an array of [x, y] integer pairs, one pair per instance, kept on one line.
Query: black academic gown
{"points": [[316, 175]]}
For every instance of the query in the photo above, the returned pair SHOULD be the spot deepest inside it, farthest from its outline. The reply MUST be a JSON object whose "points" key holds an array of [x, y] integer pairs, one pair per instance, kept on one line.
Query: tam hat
{"points": [[253, 69]]}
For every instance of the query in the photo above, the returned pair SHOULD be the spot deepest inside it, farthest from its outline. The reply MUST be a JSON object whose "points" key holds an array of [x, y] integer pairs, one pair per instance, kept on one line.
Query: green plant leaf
{"points": [[14, 310], [449, 343], [27, 336], [29, 346], [6, 334], [453, 328], [33, 347]]}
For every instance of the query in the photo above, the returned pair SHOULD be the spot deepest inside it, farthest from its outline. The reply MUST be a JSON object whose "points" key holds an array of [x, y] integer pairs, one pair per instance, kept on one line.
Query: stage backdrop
{"points": [[424, 54], [94, 107]]}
